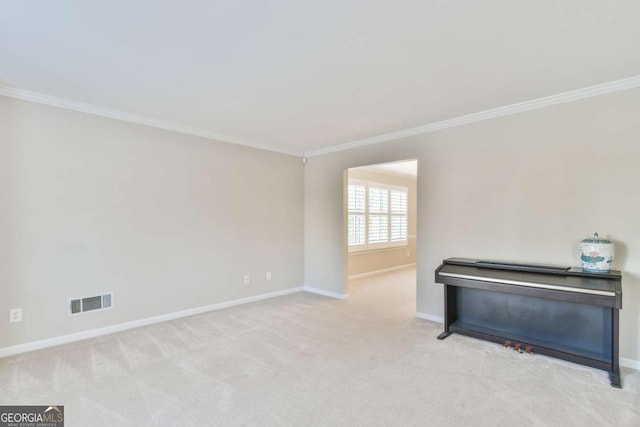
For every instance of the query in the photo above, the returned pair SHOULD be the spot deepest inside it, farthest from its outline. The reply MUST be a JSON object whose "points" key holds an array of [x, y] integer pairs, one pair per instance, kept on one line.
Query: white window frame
{"points": [[379, 245]]}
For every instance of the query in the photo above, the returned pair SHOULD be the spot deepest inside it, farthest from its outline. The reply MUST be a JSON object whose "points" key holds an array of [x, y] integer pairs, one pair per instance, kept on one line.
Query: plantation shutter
{"points": [[357, 214], [398, 215], [378, 215]]}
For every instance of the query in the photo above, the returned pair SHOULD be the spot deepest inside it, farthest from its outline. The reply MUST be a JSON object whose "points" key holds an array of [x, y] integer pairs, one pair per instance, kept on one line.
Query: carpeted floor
{"points": [[304, 359]]}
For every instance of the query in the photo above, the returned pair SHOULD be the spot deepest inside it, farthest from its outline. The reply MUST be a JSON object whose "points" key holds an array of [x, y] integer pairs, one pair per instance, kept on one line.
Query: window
{"points": [[377, 215]]}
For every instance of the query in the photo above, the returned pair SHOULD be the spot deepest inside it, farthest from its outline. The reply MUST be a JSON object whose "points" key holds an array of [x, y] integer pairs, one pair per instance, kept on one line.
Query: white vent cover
{"points": [[88, 304]]}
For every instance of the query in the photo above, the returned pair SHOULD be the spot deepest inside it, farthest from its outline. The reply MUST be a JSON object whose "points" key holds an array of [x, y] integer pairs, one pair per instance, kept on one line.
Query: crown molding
{"points": [[560, 98], [68, 104]]}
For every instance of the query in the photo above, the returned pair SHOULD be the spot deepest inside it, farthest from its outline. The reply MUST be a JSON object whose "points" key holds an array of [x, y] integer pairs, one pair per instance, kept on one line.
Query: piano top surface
{"points": [[535, 274]]}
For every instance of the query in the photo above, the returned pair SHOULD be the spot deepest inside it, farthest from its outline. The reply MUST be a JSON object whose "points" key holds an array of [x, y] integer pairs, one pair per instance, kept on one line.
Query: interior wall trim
{"points": [[430, 317], [630, 363], [560, 98], [92, 333], [520, 107], [382, 270], [325, 293], [54, 101]]}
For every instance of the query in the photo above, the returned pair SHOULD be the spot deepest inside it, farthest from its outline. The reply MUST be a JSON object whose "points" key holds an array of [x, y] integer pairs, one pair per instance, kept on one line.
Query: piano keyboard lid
{"points": [[533, 275]]}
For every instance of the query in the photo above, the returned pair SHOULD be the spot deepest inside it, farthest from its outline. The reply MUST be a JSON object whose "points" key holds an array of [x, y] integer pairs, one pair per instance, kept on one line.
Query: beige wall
{"points": [[166, 221], [89, 204], [371, 261], [525, 187]]}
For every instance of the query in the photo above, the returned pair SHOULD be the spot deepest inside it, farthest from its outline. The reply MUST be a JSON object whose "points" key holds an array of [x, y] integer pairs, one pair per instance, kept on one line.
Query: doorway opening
{"points": [[380, 229]]}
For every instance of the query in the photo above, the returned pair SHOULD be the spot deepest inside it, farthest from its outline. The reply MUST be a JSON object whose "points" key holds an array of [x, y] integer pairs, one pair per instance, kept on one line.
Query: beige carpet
{"points": [[305, 360]]}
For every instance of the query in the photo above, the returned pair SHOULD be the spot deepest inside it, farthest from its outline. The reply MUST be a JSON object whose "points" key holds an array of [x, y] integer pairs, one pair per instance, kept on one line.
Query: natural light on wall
{"points": [[377, 215]]}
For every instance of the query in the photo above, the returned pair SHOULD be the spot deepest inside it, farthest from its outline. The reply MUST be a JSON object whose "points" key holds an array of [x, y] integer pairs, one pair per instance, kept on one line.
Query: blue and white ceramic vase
{"points": [[596, 254]]}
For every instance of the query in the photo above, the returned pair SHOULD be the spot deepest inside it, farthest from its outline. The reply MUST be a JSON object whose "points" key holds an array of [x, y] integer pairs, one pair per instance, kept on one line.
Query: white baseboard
{"points": [[630, 363], [430, 317], [78, 336], [384, 270], [325, 293], [627, 363]]}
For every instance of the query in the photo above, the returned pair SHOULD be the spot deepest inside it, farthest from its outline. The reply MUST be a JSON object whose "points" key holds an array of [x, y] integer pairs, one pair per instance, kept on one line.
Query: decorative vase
{"points": [[596, 254]]}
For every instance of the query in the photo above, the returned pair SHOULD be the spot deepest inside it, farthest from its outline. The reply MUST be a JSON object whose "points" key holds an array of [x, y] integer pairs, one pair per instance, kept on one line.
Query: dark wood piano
{"points": [[561, 312]]}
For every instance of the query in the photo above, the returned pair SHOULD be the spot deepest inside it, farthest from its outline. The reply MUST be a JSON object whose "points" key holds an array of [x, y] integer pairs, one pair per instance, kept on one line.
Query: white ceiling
{"points": [[302, 76]]}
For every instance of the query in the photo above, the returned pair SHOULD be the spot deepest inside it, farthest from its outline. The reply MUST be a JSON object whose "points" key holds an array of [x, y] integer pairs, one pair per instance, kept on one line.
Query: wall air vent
{"points": [[89, 304]]}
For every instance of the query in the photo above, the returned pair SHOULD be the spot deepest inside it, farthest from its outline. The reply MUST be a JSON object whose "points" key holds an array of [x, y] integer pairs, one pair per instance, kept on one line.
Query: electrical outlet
{"points": [[15, 315], [247, 279], [268, 275]]}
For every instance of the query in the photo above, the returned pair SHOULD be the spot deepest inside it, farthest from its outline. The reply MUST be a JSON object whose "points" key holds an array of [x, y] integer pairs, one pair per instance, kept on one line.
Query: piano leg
{"points": [[614, 373], [444, 335], [614, 378], [449, 310]]}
